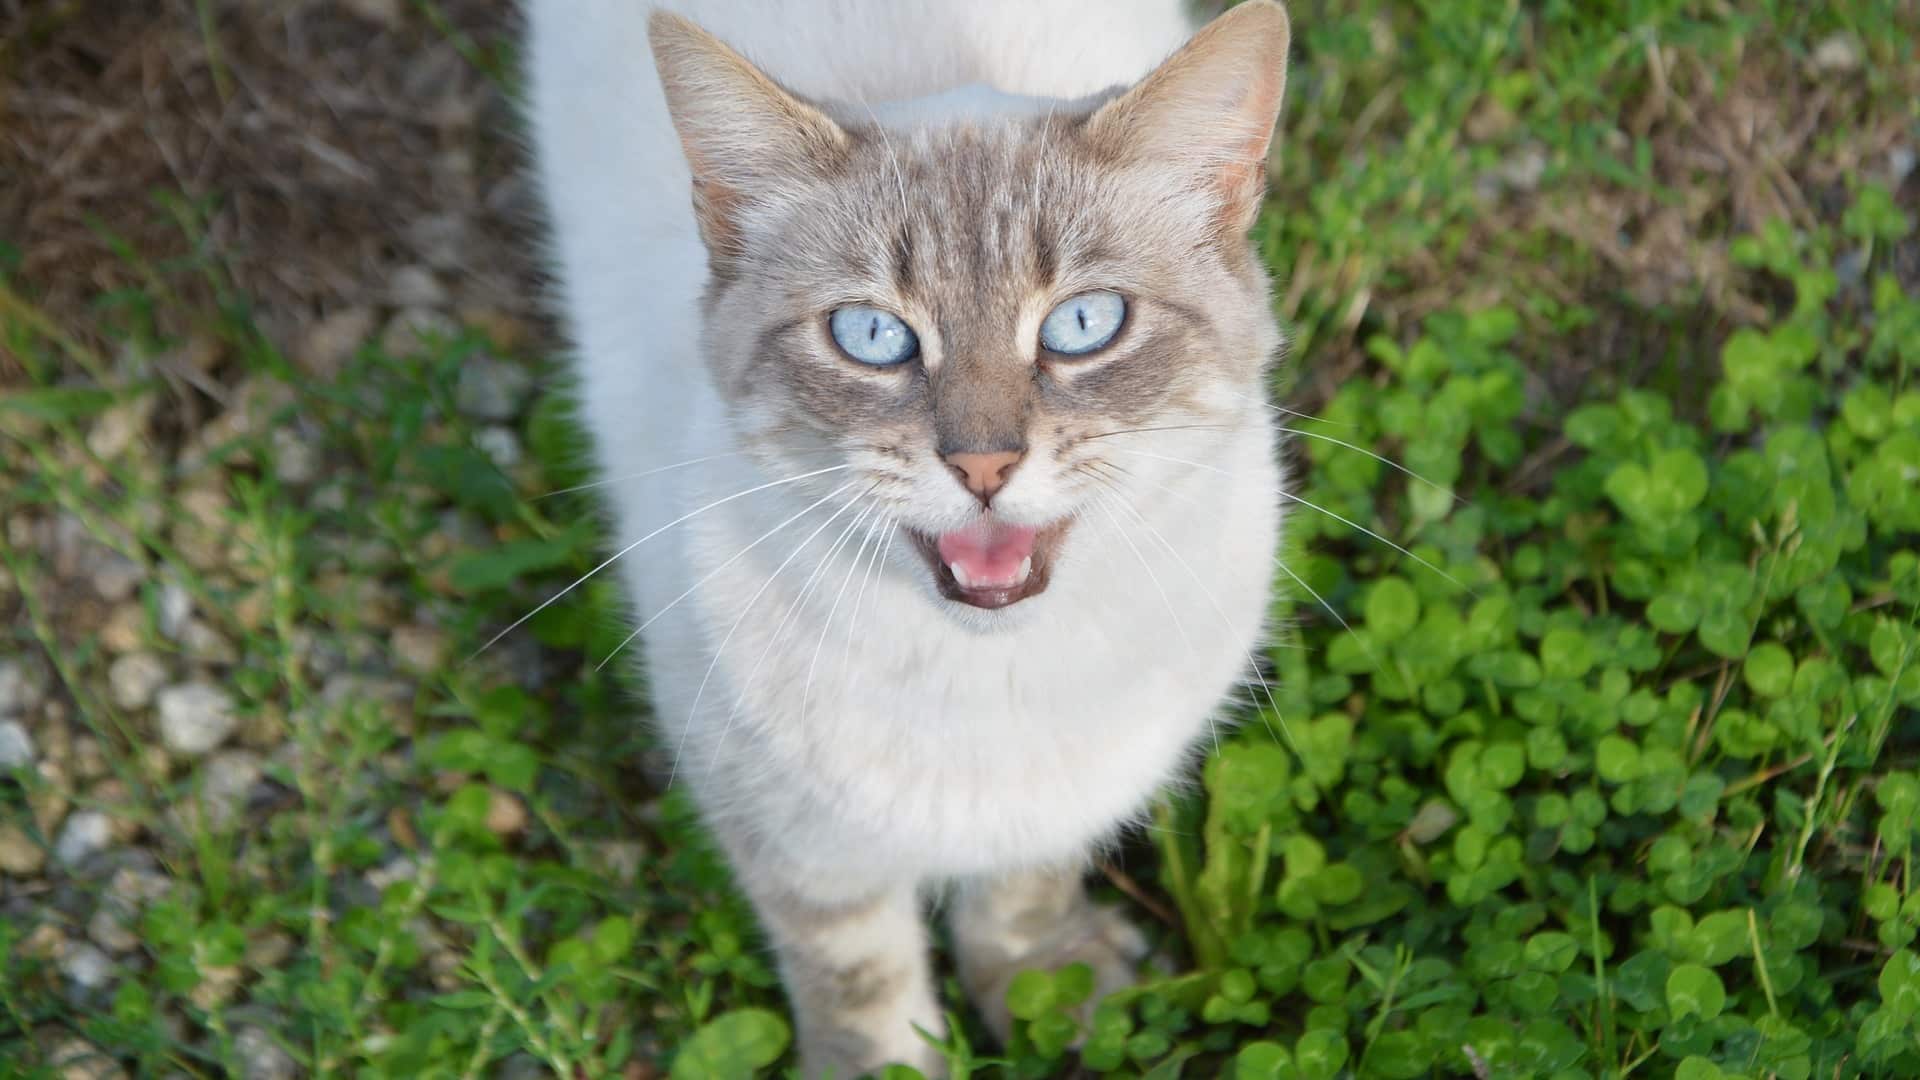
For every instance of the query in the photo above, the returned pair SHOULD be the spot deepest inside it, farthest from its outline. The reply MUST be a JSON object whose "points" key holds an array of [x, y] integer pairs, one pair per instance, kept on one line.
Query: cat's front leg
{"points": [[857, 978], [1038, 919]]}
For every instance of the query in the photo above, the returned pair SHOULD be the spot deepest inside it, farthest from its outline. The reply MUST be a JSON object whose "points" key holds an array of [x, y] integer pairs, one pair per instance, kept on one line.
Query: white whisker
{"points": [[1127, 505], [853, 620], [1286, 411], [779, 631], [747, 609], [1121, 531], [1290, 497], [1384, 461], [616, 556], [1284, 568], [716, 571], [813, 665], [636, 476]]}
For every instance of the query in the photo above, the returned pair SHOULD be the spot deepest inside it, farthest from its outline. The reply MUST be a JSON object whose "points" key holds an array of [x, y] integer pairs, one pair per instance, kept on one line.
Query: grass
{"points": [[1617, 773]]}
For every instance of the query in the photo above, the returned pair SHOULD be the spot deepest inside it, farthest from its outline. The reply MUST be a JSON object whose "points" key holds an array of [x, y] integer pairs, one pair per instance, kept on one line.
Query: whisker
{"points": [[1291, 497], [779, 632], [1286, 411], [1162, 427], [616, 556], [1127, 505], [813, 665], [1284, 568], [720, 650], [1165, 598], [853, 620], [1302, 582], [716, 571], [636, 476], [1396, 466], [1456, 582]]}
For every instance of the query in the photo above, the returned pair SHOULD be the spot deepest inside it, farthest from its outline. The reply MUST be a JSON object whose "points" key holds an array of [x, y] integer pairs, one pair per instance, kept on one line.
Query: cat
{"points": [[924, 354]]}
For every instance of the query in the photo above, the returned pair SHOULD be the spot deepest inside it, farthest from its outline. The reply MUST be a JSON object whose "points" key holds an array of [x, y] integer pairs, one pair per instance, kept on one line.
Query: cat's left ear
{"points": [[744, 135], [1209, 110]]}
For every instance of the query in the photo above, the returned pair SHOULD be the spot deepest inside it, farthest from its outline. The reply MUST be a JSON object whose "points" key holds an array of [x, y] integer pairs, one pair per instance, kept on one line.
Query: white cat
{"points": [[924, 354]]}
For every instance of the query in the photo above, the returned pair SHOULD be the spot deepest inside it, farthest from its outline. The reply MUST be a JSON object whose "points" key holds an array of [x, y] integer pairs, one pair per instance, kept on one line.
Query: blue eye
{"points": [[872, 336], [1084, 323]]}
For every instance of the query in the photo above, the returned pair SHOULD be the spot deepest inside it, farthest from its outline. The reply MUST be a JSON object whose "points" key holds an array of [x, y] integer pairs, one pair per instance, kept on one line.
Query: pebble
{"points": [[416, 286], [332, 341], [1900, 162], [19, 856], [195, 717], [490, 388], [419, 648], [441, 239], [413, 329], [295, 459], [176, 607], [133, 679], [87, 966], [120, 427], [78, 1059], [225, 782], [385, 13], [16, 746], [23, 685], [506, 815], [501, 446], [1836, 55], [86, 832], [261, 1058], [125, 629], [108, 930]]}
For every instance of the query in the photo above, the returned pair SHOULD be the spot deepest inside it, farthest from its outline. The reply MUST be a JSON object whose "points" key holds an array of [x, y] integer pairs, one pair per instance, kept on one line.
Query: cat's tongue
{"points": [[989, 555]]}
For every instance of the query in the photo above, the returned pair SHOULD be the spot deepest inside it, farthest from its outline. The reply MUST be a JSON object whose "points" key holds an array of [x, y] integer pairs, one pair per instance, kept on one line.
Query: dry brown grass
{"points": [[328, 143]]}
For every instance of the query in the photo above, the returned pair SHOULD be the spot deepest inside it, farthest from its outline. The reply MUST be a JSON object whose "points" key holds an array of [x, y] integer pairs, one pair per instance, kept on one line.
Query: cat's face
{"points": [[1003, 326]]}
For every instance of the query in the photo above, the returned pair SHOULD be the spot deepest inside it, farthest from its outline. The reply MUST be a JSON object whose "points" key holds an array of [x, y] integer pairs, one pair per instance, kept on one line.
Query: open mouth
{"points": [[990, 564]]}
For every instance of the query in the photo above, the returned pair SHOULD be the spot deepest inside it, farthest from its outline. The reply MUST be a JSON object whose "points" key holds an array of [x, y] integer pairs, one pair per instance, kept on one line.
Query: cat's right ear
{"points": [[744, 135]]}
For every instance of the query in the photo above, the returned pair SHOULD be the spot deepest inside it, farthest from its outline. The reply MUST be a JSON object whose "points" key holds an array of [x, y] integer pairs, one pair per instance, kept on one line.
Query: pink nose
{"points": [[984, 474]]}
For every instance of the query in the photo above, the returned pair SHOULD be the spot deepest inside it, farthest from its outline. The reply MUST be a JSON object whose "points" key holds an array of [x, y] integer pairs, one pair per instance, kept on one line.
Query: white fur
{"points": [[934, 743]]}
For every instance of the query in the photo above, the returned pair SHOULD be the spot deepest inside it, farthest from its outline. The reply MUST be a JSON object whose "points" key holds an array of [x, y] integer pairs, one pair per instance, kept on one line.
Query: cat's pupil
{"points": [[873, 329], [1081, 314]]}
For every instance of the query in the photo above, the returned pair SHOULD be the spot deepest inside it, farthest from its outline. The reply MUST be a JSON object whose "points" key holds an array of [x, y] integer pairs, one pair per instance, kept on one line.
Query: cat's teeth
{"points": [[960, 577], [1026, 570]]}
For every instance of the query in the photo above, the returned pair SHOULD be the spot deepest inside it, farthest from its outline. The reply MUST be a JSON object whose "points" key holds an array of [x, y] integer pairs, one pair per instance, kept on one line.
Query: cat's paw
{"points": [[1086, 933]]}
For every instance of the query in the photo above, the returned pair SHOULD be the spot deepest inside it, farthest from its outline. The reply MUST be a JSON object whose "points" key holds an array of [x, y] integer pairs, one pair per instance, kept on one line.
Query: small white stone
{"points": [[491, 389], [195, 717], [87, 966], [176, 607], [416, 286], [16, 746], [22, 686], [261, 1058], [386, 13], [1836, 55], [225, 781], [295, 461], [107, 930], [413, 329], [78, 1059], [19, 856], [331, 342], [133, 679], [85, 833], [500, 444]]}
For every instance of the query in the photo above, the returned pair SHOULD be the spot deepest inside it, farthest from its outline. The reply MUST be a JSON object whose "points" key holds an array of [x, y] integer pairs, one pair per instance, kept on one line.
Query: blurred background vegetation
{"points": [[1612, 770]]}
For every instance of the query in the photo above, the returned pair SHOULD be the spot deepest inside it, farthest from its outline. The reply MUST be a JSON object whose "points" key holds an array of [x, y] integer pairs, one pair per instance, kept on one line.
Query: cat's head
{"points": [[1000, 324]]}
